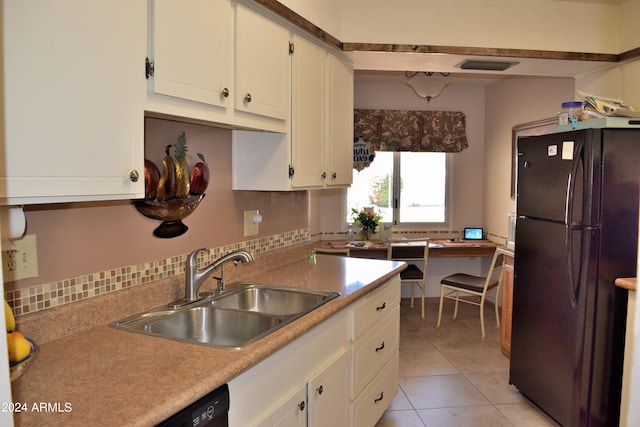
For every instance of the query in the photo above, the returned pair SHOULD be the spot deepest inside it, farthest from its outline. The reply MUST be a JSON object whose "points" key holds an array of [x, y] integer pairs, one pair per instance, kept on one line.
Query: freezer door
{"points": [[548, 319], [551, 175]]}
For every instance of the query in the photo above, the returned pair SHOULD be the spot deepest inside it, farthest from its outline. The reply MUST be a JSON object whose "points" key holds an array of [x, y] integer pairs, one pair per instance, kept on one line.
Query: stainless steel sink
{"points": [[231, 320], [273, 300]]}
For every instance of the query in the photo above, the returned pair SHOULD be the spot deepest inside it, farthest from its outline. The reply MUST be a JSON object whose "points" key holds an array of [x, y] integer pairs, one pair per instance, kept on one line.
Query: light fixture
{"points": [[476, 64], [426, 84]]}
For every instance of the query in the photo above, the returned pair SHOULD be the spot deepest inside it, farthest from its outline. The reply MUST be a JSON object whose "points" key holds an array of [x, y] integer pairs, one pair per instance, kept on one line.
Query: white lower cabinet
{"points": [[343, 372], [275, 392], [375, 336], [291, 413], [323, 402], [375, 399], [328, 394]]}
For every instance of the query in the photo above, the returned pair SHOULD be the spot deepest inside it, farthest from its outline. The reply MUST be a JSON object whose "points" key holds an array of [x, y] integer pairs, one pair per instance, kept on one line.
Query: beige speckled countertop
{"points": [[113, 377]]}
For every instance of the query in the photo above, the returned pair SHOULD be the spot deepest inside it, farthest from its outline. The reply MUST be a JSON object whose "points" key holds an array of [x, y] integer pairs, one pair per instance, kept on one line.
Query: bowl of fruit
{"points": [[27, 349], [22, 349], [174, 193]]}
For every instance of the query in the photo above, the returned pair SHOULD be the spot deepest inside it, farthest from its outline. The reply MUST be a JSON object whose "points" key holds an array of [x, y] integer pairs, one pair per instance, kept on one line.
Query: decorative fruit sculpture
{"points": [[167, 182], [182, 168], [151, 179], [199, 176]]}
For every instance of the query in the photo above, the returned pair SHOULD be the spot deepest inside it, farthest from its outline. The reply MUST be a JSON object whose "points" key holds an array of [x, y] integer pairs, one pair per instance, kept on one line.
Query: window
{"points": [[408, 188]]}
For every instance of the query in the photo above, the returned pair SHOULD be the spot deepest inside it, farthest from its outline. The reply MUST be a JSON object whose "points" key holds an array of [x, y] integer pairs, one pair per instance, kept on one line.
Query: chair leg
{"points": [[411, 295], [496, 305], [440, 309], [455, 311], [482, 316], [422, 298]]}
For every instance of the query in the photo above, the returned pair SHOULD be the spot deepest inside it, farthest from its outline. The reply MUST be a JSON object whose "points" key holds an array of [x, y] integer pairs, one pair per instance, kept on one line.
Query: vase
{"points": [[364, 234]]}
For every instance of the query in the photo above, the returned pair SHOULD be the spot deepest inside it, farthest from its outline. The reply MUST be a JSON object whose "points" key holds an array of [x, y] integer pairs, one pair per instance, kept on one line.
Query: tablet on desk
{"points": [[473, 233]]}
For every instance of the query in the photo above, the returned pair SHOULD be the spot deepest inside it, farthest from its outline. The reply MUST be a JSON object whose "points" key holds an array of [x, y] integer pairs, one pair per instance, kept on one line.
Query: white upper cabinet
{"points": [[218, 61], [318, 150], [73, 100], [262, 65], [339, 117], [322, 117], [308, 113], [192, 50]]}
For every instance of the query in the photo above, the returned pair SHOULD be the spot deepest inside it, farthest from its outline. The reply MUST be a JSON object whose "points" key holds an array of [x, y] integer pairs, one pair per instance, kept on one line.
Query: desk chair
{"points": [[415, 252], [474, 286], [339, 252]]}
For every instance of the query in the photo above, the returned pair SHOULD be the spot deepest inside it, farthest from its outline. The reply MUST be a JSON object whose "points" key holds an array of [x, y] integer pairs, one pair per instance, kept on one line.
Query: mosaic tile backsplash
{"points": [[42, 297]]}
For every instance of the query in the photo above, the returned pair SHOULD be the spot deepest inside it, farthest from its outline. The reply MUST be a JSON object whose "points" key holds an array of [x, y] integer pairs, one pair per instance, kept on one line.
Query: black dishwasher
{"points": [[210, 411]]}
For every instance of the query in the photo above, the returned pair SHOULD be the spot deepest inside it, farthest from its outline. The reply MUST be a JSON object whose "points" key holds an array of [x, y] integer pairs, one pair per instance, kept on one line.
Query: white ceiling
{"points": [[446, 63], [374, 62]]}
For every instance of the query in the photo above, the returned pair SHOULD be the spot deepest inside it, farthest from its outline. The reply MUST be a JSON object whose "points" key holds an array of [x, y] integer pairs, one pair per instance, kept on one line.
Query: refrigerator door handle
{"points": [[568, 221]]}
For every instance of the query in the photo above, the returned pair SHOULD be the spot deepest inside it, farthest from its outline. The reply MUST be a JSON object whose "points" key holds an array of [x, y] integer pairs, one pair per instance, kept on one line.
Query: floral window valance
{"points": [[403, 130]]}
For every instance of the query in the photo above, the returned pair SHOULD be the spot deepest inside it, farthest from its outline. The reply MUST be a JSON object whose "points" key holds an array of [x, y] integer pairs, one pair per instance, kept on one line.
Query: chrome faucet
{"points": [[195, 278]]}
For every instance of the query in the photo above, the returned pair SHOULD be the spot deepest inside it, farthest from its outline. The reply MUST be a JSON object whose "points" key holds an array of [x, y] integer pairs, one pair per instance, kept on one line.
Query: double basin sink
{"points": [[229, 320]]}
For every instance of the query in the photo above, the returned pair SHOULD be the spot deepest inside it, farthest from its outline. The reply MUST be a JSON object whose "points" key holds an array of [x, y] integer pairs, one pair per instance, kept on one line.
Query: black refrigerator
{"points": [[576, 232]]}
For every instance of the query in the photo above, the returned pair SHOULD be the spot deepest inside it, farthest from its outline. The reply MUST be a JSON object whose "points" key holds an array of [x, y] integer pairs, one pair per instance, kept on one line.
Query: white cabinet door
{"points": [[292, 412], [308, 113], [192, 46], [262, 65], [339, 118], [328, 395], [73, 100]]}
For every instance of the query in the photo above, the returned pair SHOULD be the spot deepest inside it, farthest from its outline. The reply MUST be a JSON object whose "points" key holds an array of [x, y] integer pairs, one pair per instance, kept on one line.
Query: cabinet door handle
{"points": [[382, 307], [225, 92], [247, 98], [380, 348], [379, 398], [334, 175], [134, 175], [324, 175], [301, 406], [320, 389]]}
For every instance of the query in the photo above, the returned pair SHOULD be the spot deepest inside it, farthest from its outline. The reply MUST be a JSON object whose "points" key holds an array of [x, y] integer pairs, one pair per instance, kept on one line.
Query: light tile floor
{"points": [[451, 376]]}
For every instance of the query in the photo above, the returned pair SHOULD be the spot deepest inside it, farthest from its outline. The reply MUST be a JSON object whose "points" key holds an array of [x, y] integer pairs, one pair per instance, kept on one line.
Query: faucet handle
{"points": [[192, 259]]}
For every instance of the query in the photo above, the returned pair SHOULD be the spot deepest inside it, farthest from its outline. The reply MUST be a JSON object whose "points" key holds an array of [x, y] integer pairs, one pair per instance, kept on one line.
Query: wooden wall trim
{"points": [[317, 32], [630, 54], [300, 22], [480, 51]]}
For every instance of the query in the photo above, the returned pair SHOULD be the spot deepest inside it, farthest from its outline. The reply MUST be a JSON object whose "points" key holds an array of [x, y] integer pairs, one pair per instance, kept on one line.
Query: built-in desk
{"points": [[437, 248]]}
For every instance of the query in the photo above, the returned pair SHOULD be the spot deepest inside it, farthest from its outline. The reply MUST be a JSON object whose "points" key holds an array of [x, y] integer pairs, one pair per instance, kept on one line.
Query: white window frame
{"points": [[396, 195]]}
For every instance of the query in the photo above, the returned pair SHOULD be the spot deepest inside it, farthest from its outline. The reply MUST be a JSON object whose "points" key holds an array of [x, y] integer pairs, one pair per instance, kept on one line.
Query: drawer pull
{"points": [[380, 348], [320, 390], [382, 307], [380, 398]]}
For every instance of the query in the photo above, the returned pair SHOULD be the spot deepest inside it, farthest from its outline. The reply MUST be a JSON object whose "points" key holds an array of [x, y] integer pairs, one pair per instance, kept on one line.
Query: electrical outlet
{"points": [[21, 262], [250, 228]]}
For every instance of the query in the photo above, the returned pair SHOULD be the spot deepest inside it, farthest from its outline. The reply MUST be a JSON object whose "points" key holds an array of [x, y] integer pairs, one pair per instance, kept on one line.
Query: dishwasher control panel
{"points": [[211, 410]]}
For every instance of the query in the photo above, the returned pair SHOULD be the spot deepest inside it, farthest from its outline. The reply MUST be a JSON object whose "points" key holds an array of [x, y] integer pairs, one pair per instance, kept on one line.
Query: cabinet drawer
{"points": [[377, 397], [373, 351], [372, 310]]}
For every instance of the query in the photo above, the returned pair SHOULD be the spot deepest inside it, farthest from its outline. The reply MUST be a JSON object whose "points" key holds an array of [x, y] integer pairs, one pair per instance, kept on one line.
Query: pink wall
{"points": [[76, 239]]}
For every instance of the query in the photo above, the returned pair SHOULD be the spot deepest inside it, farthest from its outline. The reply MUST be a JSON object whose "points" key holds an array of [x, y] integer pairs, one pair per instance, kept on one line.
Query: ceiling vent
{"points": [[474, 64]]}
